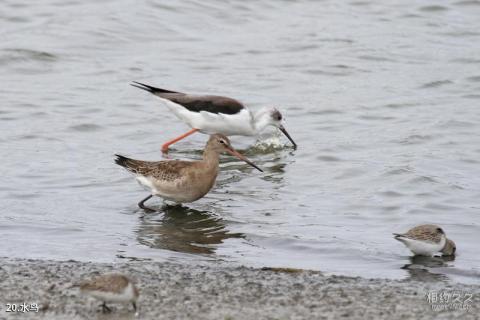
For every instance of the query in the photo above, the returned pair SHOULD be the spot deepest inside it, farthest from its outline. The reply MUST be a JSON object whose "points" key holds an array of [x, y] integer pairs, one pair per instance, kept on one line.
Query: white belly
{"points": [[424, 248], [127, 295], [210, 123]]}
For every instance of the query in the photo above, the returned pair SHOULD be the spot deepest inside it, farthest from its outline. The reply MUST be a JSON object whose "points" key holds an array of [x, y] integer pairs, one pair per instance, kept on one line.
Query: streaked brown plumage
{"points": [[113, 287], [425, 239], [109, 282], [160, 170], [181, 181], [424, 232]]}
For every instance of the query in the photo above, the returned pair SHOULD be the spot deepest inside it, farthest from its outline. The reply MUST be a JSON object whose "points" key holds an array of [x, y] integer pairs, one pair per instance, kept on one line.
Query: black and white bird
{"points": [[211, 114]]}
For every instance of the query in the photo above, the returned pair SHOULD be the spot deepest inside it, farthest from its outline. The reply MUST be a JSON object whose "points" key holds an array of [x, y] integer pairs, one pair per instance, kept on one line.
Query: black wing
{"points": [[196, 103]]}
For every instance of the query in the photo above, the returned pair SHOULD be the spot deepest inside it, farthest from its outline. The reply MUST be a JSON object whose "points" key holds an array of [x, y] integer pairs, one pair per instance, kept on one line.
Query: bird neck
{"points": [[261, 120], [210, 156]]}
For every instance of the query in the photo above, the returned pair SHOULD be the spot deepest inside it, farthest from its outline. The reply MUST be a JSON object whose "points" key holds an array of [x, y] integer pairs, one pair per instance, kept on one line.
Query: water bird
{"points": [[111, 287], [181, 181], [449, 249], [211, 114], [427, 240]]}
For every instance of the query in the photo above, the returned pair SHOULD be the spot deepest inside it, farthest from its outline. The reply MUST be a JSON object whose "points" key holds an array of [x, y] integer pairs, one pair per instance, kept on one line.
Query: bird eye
{"points": [[277, 116], [222, 141], [439, 230]]}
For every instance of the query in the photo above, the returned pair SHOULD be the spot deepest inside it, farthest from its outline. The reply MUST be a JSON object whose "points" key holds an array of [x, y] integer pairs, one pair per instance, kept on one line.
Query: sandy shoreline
{"points": [[176, 291]]}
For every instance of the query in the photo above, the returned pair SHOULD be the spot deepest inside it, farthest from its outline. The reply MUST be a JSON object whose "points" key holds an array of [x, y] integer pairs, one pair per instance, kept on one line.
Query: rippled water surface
{"points": [[382, 97]]}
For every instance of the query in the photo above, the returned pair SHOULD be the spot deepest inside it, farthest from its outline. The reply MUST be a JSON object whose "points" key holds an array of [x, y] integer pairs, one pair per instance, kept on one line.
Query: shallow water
{"points": [[381, 98]]}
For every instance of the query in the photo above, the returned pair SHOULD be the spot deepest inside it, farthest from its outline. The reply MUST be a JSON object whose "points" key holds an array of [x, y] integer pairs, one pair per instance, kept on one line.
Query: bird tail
{"points": [[121, 160], [398, 236], [127, 163], [150, 89]]}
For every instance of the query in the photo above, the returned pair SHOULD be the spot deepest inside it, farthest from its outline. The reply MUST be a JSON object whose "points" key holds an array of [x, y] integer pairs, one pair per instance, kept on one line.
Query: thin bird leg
{"points": [[105, 309], [168, 143], [141, 204], [134, 306]]}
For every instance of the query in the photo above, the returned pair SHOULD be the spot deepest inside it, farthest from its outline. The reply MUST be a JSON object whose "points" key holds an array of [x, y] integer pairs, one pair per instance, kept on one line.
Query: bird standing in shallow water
{"points": [[426, 240], [216, 114], [181, 181]]}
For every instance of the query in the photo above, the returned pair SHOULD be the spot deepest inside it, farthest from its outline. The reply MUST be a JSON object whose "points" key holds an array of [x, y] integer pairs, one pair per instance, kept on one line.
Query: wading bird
{"points": [[181, 181], [211, 114], [427, 240]]}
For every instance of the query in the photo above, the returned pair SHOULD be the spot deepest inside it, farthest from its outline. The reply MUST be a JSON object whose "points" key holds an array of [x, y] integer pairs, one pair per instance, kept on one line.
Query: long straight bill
{"points": [[284, 131], [233, 152]]}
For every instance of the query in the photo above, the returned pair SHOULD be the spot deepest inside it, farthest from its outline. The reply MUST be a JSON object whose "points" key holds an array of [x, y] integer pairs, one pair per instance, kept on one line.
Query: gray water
{"points": [[381, 96]]}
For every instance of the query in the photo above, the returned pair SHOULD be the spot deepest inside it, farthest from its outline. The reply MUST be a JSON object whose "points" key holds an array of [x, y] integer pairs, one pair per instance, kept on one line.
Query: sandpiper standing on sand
{"points": [[112, 287], [181, 181], [216, 114]]}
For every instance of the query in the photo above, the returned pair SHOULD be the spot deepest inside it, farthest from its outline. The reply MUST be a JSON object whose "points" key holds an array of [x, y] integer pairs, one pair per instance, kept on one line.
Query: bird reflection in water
{"points": [[422, 268], [184, 229]]}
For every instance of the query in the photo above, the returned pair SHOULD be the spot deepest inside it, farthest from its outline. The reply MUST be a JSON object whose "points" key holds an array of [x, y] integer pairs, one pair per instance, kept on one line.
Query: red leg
{"points": [[167, 144]]}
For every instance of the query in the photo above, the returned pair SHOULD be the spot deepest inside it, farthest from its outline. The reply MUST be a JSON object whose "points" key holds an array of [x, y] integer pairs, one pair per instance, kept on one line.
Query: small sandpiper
{"points": [[112, 287], [181, 181], [426, 240]]}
